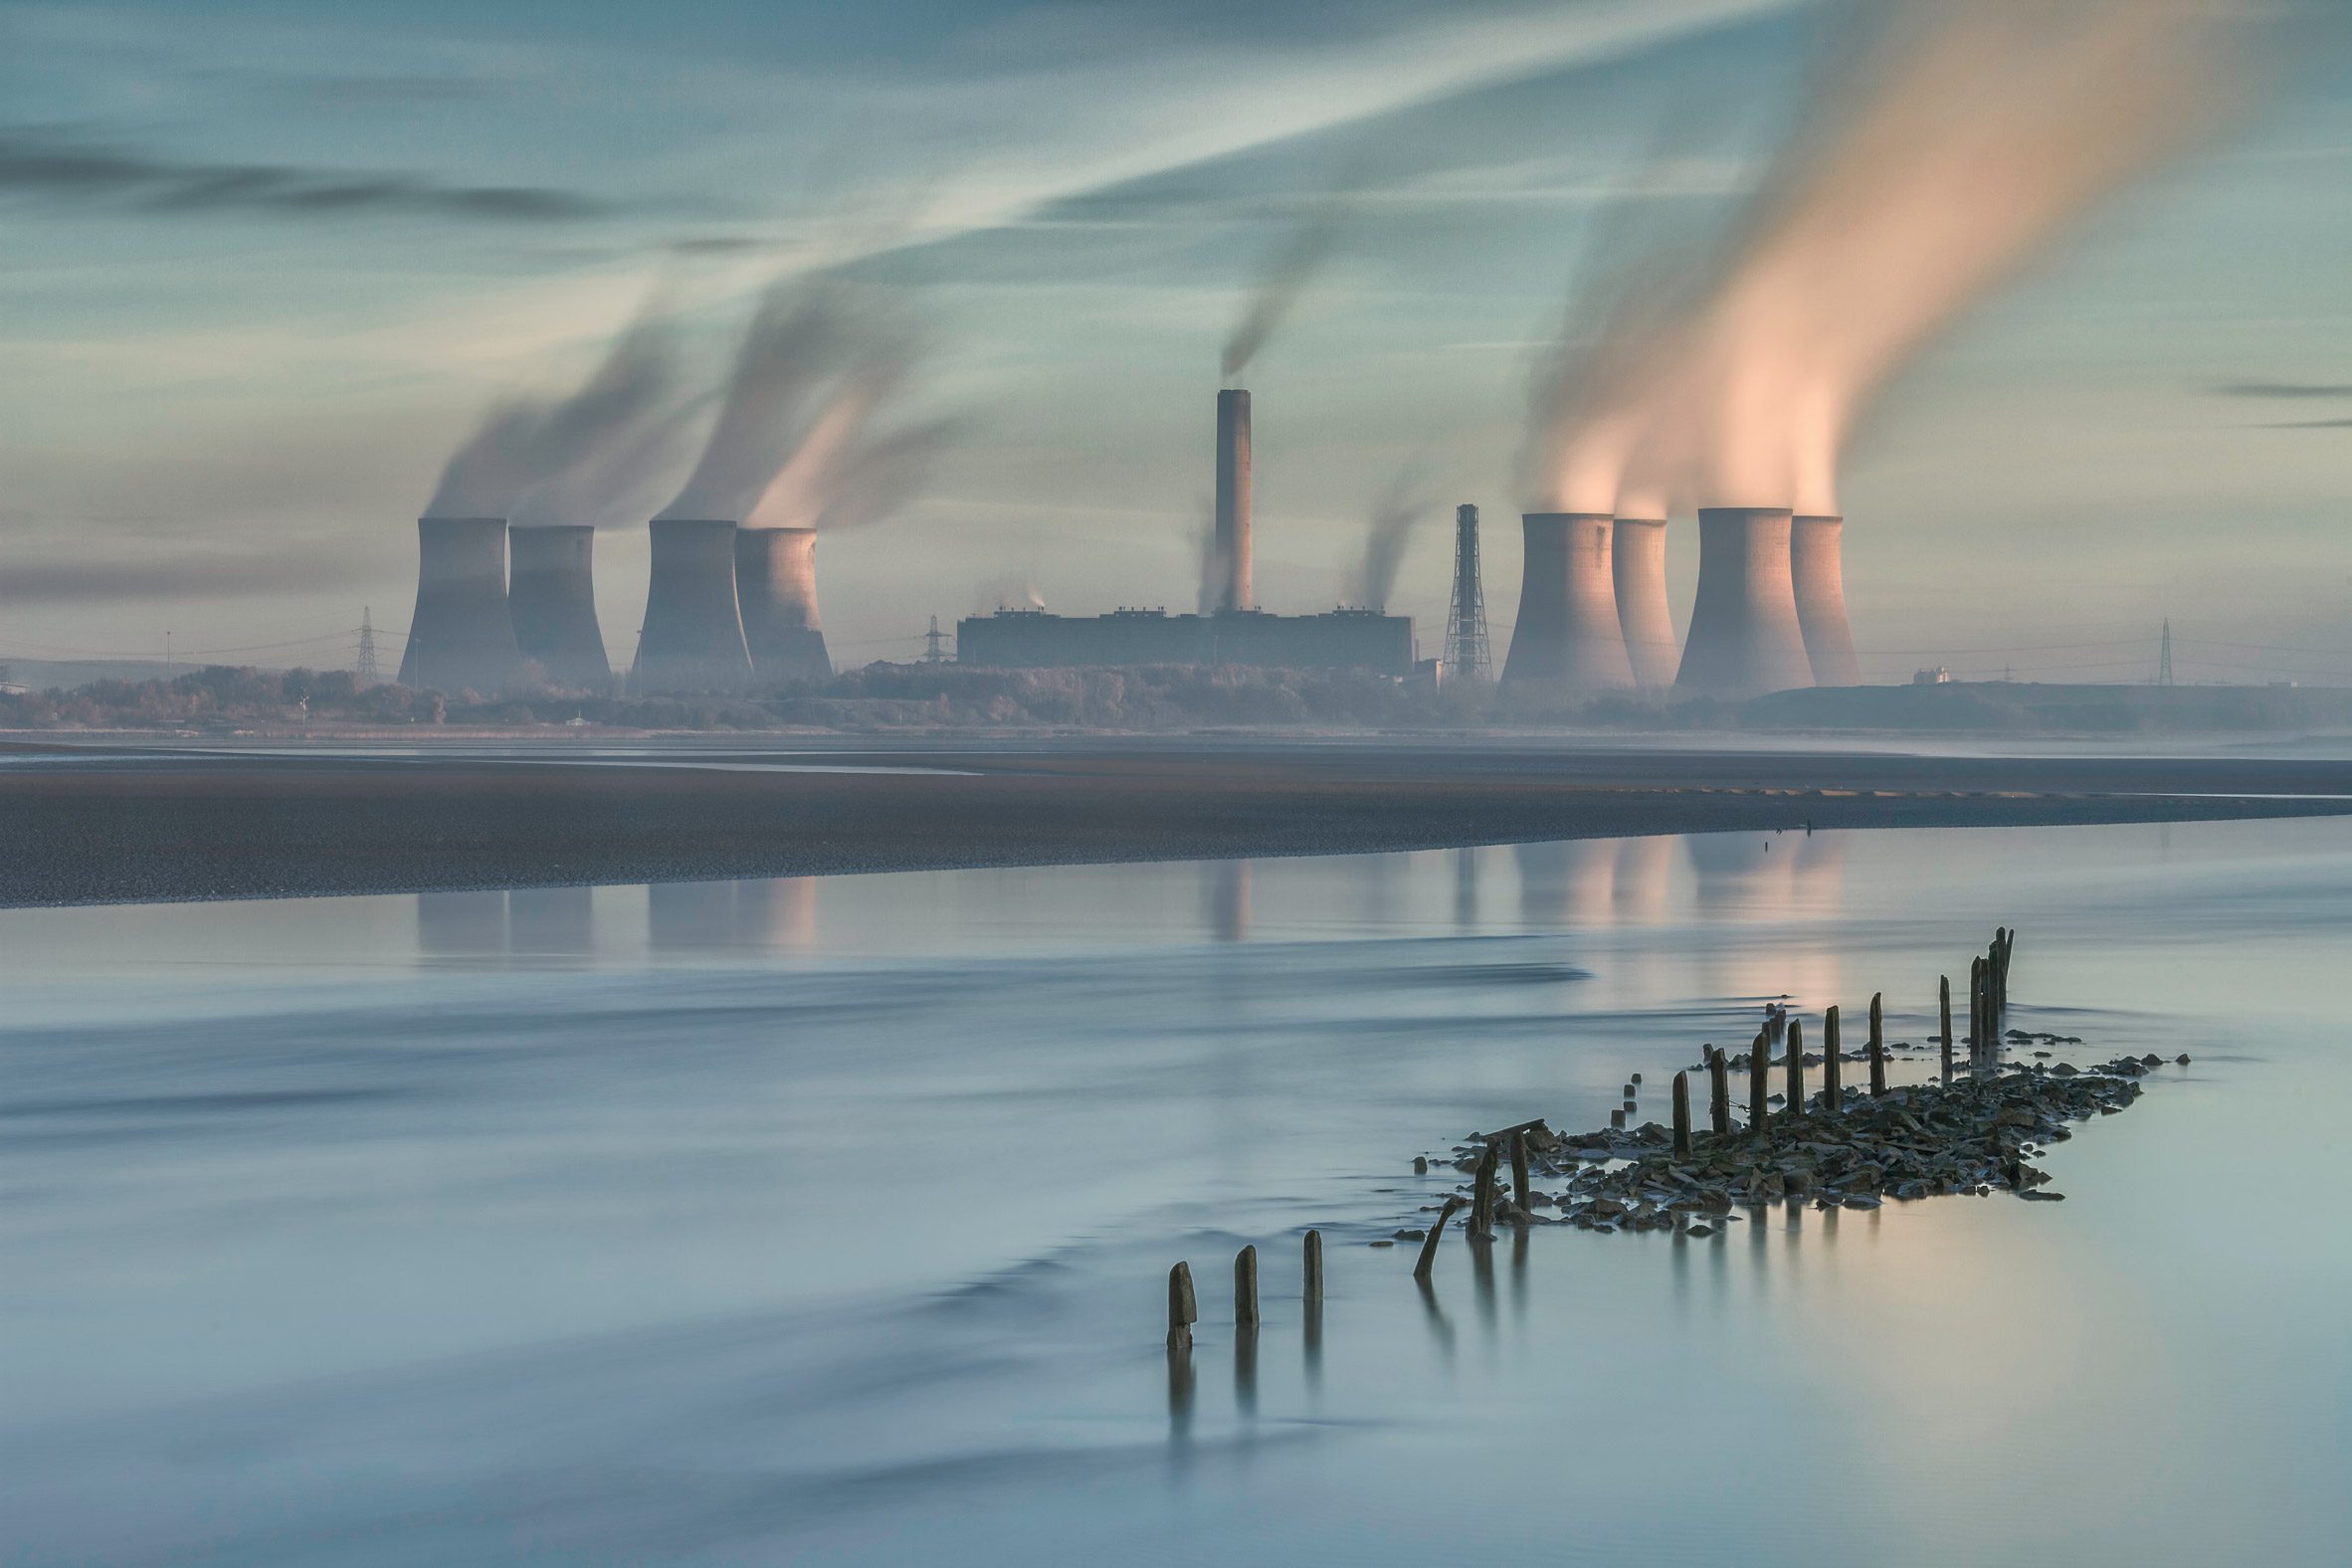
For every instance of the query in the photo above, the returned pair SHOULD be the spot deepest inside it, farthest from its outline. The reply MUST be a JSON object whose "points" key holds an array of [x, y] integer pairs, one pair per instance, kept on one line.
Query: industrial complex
{"points": [[732, 609]]}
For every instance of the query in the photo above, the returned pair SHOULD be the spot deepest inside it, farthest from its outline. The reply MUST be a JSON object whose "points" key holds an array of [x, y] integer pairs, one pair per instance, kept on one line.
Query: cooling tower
{"points": [[776, 586], [1568, 638], [552, 595], [1814, 549], [461, 637], [1232, 498], [1638, 560], [1744, 638], [693, 633]]}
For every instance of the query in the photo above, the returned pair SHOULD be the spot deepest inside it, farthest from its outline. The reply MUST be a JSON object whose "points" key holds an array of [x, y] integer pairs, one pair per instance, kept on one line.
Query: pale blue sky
{"points": [[264, 264]]}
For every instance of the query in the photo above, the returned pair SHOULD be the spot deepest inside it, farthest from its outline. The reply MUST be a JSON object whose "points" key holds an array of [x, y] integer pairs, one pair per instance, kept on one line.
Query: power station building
{"points": [[1236, 634], [1341, 640]]}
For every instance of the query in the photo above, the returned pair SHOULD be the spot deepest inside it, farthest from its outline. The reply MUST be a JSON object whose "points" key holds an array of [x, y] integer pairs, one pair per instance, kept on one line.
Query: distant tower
{"points": [[367, 647], [933, 651], [2164, 656], [1467, 652]]}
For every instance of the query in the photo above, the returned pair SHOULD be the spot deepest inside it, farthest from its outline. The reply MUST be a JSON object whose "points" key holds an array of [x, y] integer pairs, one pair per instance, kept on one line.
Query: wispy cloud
{"points": [[39, 167], [2284, 389], [209, 575]]}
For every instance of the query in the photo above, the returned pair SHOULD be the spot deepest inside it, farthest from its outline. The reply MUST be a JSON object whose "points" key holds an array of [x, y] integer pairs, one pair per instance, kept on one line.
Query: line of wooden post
{"points": [[1796, 1070], [1519, 1194], [1718, 1093], [1944, 1004], [1682, 1116], [1482, 1220]]}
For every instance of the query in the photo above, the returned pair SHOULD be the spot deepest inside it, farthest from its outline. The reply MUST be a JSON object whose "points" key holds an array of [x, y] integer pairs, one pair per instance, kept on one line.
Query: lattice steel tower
{"points": [[1468, 653], [366, 671], [2164, 657]]}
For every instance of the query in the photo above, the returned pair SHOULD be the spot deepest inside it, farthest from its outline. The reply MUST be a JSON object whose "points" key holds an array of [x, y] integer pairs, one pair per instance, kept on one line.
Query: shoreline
{"points": [[159, 827]]}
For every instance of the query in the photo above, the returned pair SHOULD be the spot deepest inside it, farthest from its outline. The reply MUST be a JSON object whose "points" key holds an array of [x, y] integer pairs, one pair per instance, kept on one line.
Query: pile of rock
{"points": [[1972, 1135]]}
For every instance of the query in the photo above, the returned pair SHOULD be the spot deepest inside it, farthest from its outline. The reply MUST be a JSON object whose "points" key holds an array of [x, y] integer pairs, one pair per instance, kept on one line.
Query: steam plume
{"points": [[801, 439], [1974, 131], [528, 444], [1404, 503]]}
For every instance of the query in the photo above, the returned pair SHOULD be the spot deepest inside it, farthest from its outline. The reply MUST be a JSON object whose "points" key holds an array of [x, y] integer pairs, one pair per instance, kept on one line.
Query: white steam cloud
{"points": [[1969, 135]]}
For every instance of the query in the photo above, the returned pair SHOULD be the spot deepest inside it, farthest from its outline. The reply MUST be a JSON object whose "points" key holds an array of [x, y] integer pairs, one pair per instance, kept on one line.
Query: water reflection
{"points": [[1228, 900], [461, 924], [557, 921], [691, 917], [777, 914], [1571, 883]]}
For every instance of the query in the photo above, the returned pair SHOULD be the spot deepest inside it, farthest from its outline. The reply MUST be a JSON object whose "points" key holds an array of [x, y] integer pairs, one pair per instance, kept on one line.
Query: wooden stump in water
{"points": [[1944, 1006], [1482, 1220], [1183, 1311], [1312, 1293], [1519, 1171], [1245, 1289], [1878, 1046], [1760, 1084], [1833, 1064], [1429, 1245], [1719, 1093], [1796, 1071], [1682, 1116]]}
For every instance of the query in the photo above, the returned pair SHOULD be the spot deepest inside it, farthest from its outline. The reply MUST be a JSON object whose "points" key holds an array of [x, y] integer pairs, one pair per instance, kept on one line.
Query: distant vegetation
{"points": [[882, 697]]}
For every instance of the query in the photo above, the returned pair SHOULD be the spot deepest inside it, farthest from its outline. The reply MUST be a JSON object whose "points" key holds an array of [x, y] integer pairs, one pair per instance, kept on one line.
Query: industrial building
{"points": [[1339, 640], [460, 637], [1745, 637], [552, 594], [776, 591]]}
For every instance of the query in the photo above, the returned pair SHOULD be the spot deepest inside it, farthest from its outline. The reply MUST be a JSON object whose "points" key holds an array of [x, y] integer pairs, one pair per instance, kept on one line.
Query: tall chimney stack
{"points": [[1744, 638], [1638, 561], [552, 595], [1815, 547], [1232, 498], [693, 633], [460, 637], [1568, 638], [776, 586]]}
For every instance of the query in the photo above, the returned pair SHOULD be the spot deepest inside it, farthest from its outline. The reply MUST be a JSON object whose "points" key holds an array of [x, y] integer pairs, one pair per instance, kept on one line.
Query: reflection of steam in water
{"points": [[1227, 916], [1571, 881], [551, 920], [1642, 880], [1778, 880], [777, 913], [690, 916], [1466, 887], [461, 924]]}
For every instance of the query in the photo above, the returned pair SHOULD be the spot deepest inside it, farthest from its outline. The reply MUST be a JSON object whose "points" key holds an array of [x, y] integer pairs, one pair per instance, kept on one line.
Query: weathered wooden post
{"points": [[1245, 1289], [1183, 1311], [1976, 1012], [1482, 1220], [1719, 1093], [1312, 1293], [1878, 1046], [1944, 990], [1796, 1070], [1760, 1083], [1833, 1062], [1682, 1116], [1429, 1245], [1519, 1172]]}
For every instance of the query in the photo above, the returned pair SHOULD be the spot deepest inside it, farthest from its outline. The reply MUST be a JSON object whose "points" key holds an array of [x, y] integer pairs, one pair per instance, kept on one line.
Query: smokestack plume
{"points": [[1638, 563], [1813, 561], [776, 586], [694, 632], [528, 455], [1744, 637], [461, 637], [552, 596], [1568, 639], [1232, 498]]}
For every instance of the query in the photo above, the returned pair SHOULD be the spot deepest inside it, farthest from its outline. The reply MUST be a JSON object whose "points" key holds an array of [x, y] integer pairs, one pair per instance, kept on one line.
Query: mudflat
{"points": [[113, 826]]}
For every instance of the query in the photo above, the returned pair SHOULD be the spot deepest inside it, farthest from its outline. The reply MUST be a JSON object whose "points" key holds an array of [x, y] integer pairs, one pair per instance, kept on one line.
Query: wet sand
{"points": [[101, 827]]}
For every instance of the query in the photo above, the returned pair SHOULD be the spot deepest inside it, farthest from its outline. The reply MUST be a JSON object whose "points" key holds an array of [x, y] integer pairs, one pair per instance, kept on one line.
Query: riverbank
{"points": [[99, 827]]}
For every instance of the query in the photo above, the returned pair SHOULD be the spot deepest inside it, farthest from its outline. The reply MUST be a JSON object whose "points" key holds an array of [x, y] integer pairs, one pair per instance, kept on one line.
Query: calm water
{"points": [[827, 1220]]}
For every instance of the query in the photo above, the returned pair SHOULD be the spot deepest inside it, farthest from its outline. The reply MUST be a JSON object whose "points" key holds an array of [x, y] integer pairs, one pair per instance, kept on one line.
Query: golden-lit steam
{"points": [[1969, 135]]}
